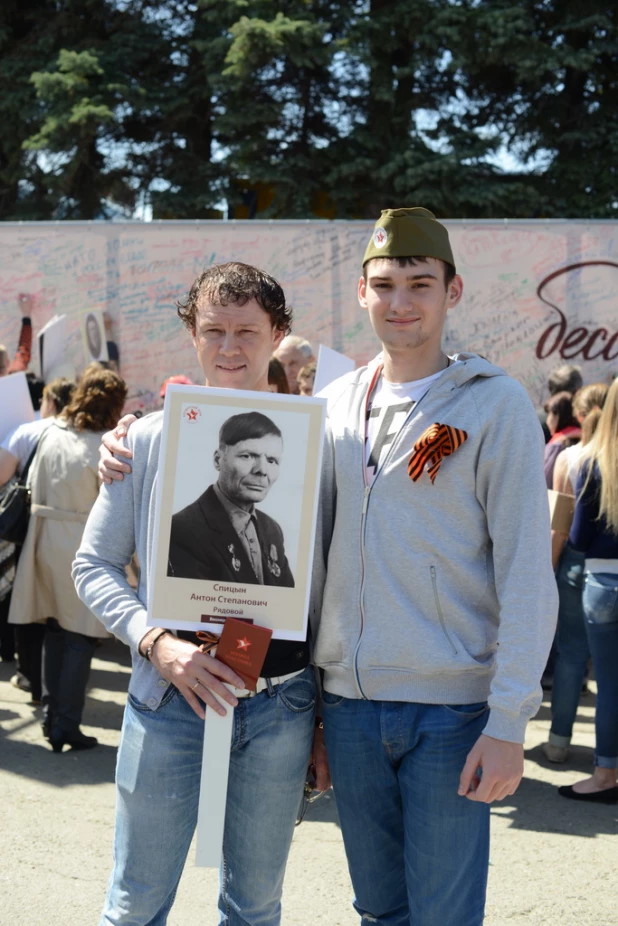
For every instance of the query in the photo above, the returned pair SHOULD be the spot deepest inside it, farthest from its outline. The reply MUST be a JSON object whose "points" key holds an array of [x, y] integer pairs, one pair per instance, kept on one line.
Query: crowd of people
{"points": [[416, 697], [581, 460]]}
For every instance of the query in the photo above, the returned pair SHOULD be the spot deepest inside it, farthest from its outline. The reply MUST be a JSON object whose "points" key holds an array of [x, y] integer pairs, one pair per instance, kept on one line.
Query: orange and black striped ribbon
{"points": [[437, 442]]}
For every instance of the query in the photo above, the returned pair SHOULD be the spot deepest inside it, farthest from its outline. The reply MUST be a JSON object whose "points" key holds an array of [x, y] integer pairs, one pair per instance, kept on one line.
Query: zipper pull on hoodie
{"points": [[366, 499]]}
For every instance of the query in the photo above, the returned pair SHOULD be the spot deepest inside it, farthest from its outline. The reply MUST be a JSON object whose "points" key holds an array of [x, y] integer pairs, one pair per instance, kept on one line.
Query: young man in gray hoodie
{"points": [[435, 596]]}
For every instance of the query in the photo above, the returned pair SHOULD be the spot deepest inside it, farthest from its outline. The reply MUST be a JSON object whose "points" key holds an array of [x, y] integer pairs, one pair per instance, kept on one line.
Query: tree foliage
{"points": [[476, 108]]}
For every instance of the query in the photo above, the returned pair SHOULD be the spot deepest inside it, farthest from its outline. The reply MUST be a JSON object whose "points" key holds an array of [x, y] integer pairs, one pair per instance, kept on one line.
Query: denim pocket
{"points": [[143, 708], [600, 598], [332, 700], [467, 711], [298, 694]]}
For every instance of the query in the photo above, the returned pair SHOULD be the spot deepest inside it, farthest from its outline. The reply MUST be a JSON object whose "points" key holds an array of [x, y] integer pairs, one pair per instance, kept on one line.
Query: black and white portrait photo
{"points": [[237, 509], [224, 535], [93, 334]]}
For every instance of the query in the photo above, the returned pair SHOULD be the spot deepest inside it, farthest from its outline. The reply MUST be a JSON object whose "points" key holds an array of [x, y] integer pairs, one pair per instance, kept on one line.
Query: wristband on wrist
{"points": [[147, 654]]}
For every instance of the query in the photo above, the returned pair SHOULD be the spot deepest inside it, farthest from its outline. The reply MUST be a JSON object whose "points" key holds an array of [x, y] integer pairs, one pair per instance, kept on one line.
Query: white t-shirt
{"points": [[573, 456], [390, 405], [22, 440]]}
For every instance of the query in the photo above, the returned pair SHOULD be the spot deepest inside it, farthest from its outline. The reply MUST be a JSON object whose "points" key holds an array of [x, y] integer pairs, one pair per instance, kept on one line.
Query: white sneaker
{"points": [[555, 754]]}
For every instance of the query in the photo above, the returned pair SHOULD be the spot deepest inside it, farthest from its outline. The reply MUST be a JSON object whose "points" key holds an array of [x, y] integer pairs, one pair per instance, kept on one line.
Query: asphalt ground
{"points": [[553, 862]]}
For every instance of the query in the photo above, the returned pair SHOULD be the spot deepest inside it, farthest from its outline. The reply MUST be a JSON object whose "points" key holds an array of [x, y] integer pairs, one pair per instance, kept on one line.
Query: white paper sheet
{"points": [[331, 365], [15, 404], [53, 360], [213, 787]]}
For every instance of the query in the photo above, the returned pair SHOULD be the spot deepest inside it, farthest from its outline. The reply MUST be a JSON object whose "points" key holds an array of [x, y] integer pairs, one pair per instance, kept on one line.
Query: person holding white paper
{"points": [[237, 316]]}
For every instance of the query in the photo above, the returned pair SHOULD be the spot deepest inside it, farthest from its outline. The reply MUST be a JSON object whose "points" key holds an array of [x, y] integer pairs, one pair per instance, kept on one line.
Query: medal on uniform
{"points": [[235, 560], [273, 565]]}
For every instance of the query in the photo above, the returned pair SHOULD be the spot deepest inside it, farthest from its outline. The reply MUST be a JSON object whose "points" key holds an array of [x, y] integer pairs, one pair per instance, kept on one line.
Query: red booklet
{"points": [[243, 648]]}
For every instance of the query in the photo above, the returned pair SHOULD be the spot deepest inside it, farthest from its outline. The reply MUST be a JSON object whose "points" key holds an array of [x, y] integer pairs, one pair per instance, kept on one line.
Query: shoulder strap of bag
{"points": [[24, 474]]}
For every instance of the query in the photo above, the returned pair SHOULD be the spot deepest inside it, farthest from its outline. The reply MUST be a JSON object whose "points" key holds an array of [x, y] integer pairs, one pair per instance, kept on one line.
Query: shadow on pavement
{"points": [[537, 806], [60, 770]]}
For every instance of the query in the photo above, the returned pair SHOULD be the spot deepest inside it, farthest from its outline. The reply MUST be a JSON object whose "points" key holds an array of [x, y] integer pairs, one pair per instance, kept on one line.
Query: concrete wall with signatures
{"points": [[536, 293]]}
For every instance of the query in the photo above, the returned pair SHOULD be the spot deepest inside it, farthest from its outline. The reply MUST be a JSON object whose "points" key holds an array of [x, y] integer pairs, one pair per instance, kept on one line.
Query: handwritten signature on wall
{"points": [[580, 340]]}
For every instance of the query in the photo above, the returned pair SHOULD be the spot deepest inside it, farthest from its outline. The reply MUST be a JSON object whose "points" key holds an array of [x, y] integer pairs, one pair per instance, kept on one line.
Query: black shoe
{"points": [[608, 796], [76, 740], [46, 725]]}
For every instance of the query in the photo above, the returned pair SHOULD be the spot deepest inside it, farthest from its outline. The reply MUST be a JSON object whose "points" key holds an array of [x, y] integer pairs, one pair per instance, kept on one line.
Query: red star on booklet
{"points": [[244, 643], [192, 414]]}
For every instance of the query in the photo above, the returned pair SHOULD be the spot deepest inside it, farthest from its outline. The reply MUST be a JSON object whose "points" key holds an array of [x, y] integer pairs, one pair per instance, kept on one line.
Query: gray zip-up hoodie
{"points": [[444, 592]]}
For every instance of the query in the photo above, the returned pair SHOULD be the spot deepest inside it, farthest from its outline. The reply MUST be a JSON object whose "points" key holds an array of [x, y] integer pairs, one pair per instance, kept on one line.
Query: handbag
{"points": [[15, 507]]}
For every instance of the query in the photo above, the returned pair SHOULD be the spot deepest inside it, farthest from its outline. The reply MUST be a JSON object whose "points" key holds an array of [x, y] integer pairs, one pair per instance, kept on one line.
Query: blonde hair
{"points": [[587, 405], [603, 451], [589, 397]]}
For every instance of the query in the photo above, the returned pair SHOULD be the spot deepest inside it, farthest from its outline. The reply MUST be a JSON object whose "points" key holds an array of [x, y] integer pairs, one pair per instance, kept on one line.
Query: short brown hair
{"points": [[237, 283], [59, 391], [97, 402], [561, 405], [449, 270]]}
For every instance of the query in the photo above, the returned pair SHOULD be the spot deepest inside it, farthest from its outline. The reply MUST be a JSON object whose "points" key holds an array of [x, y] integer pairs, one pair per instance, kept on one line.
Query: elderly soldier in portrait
{"points": [[222, 536]]}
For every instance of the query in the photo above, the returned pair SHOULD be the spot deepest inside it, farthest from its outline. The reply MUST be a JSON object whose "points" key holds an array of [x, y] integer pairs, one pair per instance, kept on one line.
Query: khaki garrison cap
{"points": [[411, 232]]}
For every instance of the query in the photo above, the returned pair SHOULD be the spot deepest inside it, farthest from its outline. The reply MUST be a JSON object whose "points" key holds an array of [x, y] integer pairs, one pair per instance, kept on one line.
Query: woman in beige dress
{"points": [[64, 485]]}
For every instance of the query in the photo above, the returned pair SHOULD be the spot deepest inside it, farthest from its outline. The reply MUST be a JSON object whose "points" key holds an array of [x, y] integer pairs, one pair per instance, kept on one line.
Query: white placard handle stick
{"points": [[213, 786]]}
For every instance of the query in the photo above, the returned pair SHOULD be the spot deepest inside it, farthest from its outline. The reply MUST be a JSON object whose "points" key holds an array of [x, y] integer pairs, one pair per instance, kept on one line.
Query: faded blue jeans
{"points": [[572, 647], [418, 853], [601, 610], [157, 789]]}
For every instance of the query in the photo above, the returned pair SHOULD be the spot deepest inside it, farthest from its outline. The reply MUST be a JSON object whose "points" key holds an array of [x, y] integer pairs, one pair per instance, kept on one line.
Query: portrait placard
{"points": [[93, 336], [237, 504]]}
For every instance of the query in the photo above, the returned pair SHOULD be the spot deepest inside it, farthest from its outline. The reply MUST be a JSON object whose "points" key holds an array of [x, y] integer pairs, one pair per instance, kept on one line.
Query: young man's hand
{"points": [[319, 760], [196, 675], [501, 764], [110, 468]]}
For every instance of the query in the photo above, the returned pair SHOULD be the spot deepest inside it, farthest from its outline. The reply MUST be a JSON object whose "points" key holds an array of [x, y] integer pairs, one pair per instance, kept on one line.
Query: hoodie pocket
{"points": [[434, 583]]}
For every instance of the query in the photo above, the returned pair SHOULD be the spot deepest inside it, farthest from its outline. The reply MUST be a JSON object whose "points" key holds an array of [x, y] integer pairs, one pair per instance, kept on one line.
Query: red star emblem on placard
{"points": [[192, 413], [243, 644]]}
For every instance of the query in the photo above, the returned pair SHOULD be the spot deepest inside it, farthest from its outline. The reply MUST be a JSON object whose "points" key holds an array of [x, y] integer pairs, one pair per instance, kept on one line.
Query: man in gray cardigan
{"points": [[237, 316]]}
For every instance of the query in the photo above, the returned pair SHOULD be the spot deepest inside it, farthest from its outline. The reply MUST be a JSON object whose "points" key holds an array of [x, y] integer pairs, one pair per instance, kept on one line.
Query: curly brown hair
{"points": [[96, 404], [237, 283]]}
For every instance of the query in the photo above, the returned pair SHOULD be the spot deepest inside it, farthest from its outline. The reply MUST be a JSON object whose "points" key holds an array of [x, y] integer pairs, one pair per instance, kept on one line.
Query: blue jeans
{"points": [[572, 647], [418, 853], [601, 610], [157, 788]]}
